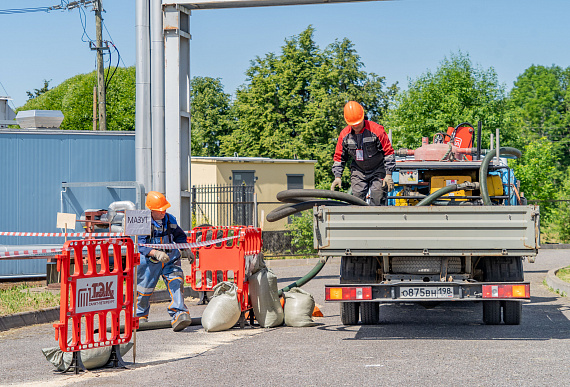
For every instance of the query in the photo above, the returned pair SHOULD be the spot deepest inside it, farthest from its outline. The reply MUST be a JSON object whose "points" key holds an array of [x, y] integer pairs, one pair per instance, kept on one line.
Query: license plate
{"points": [[426, 292]]}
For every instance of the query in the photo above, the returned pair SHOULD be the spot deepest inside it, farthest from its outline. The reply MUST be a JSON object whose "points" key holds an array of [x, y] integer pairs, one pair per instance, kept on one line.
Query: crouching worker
{"points": [[162, 262]]}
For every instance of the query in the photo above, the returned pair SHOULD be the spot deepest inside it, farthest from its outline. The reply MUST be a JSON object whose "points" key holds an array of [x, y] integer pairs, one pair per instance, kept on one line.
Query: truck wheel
{"points": [[512, 311], [349, 313], [492, 312], [369, 312]]}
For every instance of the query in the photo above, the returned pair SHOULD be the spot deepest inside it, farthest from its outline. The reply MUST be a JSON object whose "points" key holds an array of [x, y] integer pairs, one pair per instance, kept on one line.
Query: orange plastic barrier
{"points": [[88, 293], [225, 261]]}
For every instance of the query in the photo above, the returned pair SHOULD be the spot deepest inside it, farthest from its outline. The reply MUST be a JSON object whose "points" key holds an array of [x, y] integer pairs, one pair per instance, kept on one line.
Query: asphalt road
{"points": [[411, 346]]}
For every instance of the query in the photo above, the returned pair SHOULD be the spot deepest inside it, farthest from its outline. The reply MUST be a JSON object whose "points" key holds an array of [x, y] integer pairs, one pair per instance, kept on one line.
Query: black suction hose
{"points": [[290, 209], [445, 190], [305, 199], [153, 325], [320, 193], [485, 168], [306, 278]]}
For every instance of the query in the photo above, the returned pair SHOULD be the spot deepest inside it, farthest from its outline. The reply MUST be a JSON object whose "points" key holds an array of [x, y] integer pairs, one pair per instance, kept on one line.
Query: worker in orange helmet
{"points": [[157, 262], [372, 155]]}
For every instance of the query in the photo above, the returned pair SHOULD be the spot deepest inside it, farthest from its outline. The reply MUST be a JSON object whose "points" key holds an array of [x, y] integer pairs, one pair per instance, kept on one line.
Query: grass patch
{"points": [[277, 257], [564, 274], [20, 299]]}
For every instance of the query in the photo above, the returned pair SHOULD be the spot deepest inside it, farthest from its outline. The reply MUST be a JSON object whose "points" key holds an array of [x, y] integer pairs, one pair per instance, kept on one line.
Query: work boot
{"points": [[181, 322]]}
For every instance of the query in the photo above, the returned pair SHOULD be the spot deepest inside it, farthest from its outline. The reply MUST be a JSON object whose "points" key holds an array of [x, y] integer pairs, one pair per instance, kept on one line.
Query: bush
{"points": [[301, 232]]}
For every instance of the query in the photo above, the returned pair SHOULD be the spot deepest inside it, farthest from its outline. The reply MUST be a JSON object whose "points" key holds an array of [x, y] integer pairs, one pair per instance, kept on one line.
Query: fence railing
{"points": [[224, 205]]}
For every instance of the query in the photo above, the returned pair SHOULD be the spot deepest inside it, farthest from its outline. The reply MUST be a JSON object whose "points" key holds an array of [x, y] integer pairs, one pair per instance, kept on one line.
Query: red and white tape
{"points": [[62, 234], [187, 245], [19, 253]]}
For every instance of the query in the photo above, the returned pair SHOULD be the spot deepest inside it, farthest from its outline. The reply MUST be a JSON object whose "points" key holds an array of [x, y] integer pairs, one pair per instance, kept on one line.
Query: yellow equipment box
{"points": [[494, 185], [438, 182]]}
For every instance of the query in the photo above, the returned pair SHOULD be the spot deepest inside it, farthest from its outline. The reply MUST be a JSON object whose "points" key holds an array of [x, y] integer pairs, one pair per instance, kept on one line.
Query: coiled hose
{"points": [[304, 199], [485, 168]]}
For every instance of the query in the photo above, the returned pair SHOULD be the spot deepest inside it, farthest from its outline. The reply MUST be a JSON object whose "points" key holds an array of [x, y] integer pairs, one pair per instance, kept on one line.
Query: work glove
{"points": [[187, 253], [388, 183], [337, 181], [161, 256]]}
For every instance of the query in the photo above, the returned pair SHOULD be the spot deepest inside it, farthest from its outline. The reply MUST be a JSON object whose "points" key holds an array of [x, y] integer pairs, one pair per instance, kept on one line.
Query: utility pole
{"points": [[100, 67]]}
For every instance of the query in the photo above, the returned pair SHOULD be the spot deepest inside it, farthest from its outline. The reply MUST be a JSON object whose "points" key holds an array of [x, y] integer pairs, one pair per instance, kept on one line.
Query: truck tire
{"points": [[512, 311], [349, 313], [369, 312], [503, 269], [358, 270], [492, 312]]}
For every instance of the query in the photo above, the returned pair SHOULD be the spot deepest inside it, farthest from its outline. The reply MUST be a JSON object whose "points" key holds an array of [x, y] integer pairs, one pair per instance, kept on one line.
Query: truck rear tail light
{"points": [[506, 291], [348, 293]]}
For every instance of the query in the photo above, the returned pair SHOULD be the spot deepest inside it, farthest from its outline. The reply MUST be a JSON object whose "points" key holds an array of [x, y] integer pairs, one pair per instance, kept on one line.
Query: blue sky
{"points": [[396, 39]]}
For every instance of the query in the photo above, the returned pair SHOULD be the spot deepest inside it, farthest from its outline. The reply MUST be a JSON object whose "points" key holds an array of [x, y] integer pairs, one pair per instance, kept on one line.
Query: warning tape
{"points": [[187, 245], [19, 253], [62, 234]]}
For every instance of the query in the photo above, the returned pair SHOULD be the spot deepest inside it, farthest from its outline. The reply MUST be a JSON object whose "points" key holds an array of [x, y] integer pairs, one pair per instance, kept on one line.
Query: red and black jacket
{"points": [[378, 154]]}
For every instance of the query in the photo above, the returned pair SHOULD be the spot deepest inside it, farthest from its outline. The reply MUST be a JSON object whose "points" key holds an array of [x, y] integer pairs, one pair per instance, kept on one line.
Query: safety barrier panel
{"points": [[224, 261], [89, 293]]}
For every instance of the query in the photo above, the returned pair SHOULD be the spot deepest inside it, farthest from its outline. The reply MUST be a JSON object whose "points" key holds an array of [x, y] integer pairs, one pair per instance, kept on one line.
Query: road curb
{"points": [[555, 246], [49, 315], [556, 283]]}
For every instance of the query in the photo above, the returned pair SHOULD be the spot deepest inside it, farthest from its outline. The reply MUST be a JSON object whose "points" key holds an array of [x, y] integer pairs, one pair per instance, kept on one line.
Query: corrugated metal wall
{"points": [[33, 164]]}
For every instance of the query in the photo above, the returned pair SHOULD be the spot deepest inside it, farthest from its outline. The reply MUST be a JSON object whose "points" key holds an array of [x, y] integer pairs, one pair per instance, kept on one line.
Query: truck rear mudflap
{"points": [[435, 291]]}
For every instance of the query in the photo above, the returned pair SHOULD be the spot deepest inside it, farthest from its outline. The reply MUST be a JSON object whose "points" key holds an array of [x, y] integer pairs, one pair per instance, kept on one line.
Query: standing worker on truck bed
{"points": [[162, 262], [372, 155]]}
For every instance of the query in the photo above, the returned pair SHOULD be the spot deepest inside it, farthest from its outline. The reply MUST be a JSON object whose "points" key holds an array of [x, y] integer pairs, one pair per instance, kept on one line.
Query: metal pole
{"points": [[94, 107], [498, 147], [254, 209], [157, 96], [479, 140], [142, 112], [100, 67], [135, 283]]}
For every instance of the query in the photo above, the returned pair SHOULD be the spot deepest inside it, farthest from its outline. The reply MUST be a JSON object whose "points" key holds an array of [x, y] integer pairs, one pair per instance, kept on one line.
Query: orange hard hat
{"points": [[156, 201], [353, 113]]}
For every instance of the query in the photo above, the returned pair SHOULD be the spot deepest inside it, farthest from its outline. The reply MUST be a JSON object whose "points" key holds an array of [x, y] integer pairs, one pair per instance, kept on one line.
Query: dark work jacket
{"points": [[378, 155]]}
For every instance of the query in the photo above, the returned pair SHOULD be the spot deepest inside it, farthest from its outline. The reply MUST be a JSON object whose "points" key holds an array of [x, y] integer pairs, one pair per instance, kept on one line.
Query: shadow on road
{"points": [[542, 319]]}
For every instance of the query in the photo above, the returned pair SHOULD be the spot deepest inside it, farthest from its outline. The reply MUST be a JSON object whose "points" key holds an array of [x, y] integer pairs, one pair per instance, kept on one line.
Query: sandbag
{"points": [[264, 297], [299, 306], [253, 264], [223, 309], [91, 358]]}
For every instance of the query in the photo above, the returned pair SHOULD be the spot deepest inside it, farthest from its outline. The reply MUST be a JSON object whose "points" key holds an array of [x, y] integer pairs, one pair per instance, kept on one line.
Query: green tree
{"points": [[74, 97], [537, 172], [38, 92], [211, 115], [562, 216], [540, 102], [456, 92], [292, 103]]}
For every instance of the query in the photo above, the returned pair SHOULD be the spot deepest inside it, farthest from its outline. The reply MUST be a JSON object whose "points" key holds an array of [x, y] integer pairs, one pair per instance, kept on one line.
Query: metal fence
{"points": [[224, 205]]}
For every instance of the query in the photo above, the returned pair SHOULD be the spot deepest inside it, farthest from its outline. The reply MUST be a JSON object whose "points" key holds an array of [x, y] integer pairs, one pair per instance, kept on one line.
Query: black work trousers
{"points": [[362, 182]]}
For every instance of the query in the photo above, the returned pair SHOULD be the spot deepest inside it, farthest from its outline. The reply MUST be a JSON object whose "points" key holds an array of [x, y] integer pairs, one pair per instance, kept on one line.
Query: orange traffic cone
{"points": [[317, 312]]}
